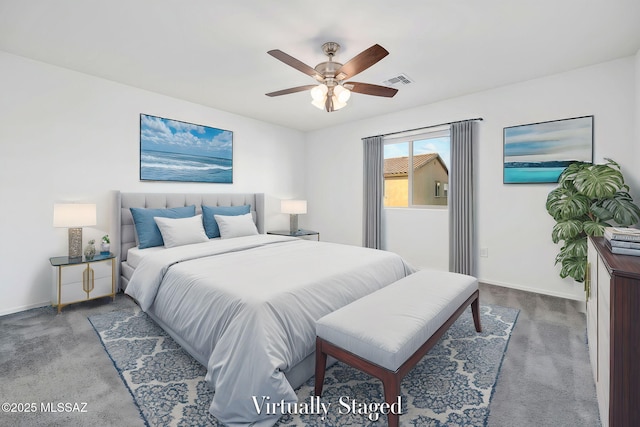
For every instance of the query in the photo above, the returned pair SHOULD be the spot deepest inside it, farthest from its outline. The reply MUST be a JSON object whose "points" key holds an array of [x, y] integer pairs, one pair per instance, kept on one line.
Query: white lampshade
{"points": [[318, 93], [342, 94], [319, 96], [337, 104], [319, 103], [293, 206], [74, 214]]}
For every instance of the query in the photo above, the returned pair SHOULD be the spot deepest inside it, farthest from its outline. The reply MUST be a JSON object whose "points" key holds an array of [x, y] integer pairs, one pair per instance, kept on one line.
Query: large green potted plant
{"points": [[588, 198]]}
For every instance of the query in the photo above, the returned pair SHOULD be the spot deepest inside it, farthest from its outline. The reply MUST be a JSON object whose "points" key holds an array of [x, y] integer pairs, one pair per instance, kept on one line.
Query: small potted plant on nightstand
{"points": [[105, 245]]}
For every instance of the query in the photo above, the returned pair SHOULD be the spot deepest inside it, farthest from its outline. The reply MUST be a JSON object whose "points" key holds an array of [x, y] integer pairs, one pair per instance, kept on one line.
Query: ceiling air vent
{"points": [[399, 80]]}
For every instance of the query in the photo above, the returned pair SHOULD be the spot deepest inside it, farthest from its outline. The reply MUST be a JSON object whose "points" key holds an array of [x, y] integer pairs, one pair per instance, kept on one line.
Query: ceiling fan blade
{"points": [[297, 64], [369, 89], [291, 90], [361, 62]]}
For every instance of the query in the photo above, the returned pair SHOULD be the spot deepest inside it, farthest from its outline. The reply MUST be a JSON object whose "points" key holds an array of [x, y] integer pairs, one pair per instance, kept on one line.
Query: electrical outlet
{"points": [[484, 252]]}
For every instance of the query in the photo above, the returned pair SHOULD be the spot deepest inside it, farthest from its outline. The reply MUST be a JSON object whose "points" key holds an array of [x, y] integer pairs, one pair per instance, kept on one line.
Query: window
{"points": [[438, 189], [426, 182]]}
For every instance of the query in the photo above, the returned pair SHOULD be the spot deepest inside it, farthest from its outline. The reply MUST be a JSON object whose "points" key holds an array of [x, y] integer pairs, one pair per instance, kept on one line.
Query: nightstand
{"points": [[82, 280], [301, 234]]}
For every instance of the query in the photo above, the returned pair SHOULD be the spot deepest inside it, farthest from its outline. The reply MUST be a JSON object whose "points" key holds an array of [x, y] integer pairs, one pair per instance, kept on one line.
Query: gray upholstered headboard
{"points": [[125, 233]]}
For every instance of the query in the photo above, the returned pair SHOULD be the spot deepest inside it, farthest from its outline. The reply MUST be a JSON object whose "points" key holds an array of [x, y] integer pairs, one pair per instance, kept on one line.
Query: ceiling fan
{"points": [[333, 92]]}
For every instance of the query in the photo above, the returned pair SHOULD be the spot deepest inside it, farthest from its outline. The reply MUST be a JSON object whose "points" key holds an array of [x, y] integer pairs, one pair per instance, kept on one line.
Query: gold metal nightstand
{"points": [[83, 280]]}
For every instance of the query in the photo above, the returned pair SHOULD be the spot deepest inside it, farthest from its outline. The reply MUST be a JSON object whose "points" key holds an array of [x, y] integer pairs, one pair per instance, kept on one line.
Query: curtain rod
{"points": [[431, 126]]}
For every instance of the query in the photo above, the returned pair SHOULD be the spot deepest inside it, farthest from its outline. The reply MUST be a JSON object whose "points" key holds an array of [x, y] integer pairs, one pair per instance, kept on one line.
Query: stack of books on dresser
{"points": [[623, 240]]}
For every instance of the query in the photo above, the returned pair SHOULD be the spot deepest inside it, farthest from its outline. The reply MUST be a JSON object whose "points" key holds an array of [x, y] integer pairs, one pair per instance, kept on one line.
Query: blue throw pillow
{"points": [[147, 229], [210, 224]]}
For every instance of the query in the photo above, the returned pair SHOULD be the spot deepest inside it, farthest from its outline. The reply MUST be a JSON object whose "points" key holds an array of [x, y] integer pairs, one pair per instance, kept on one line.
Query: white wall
{"points": [[512, 221], [413, 232], [67, 136]]}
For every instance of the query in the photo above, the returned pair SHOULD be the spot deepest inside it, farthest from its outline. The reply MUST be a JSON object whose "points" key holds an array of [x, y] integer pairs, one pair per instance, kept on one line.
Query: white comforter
{"points": [[249, 306]]}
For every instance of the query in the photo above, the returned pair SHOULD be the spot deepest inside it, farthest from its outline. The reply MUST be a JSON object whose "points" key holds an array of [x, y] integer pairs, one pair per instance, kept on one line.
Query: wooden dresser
{"points": [[613, 329]]}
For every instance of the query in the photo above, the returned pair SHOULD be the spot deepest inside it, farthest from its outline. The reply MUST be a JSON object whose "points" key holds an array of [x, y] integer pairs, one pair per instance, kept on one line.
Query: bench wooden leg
{"points": [[475, 310], [391, 384], [321, 366]]}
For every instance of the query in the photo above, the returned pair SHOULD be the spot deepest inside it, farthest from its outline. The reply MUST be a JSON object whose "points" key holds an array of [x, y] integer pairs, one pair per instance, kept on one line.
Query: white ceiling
{"points": [[214, 52]]}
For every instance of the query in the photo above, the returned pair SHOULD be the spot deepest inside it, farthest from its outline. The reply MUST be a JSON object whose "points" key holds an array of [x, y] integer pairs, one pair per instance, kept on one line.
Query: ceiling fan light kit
{"points": [[333, 92], [339, 96]]}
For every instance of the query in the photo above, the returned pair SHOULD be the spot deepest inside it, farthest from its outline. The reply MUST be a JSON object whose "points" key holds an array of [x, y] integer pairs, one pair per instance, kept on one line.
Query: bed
{"points": [[245, 307]]}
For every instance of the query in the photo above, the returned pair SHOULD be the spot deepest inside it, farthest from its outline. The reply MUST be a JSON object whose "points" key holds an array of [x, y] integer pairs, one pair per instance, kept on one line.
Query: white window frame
{"points": [[410, 137]]}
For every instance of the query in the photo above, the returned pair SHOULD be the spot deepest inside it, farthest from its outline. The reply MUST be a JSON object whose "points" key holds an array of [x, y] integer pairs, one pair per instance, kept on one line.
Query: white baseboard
{"points": [[24, 307], [530, 289], [526, 288]]}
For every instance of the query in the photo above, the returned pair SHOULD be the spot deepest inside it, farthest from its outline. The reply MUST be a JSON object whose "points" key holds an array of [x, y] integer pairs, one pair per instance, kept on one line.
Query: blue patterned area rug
{"points": [[451, 386]]}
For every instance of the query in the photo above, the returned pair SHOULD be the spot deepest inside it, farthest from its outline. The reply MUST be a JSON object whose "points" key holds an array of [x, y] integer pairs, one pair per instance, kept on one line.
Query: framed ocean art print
{"points": [[171, 150], [540, 152]]}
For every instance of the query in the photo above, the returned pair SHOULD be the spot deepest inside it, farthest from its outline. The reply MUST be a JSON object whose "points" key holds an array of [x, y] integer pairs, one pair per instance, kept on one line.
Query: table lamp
{"points": [[74, 216], [293, 208]]}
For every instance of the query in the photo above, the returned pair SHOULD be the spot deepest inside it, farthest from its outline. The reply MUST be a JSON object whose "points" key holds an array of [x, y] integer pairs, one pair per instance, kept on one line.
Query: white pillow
{"points": [[236, 225], [181, 231]]}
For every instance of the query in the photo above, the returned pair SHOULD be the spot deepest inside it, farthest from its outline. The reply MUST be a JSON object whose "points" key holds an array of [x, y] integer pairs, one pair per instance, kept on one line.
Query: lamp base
{"points": [[75, 243], [293, 223]]}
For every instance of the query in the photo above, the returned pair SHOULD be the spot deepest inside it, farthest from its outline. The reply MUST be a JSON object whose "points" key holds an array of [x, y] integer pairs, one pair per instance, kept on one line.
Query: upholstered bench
{"points": [[386, 333]]}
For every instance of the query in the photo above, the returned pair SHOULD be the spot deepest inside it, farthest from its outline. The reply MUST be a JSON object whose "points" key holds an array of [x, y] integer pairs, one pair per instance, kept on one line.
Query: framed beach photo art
{"points": [[171, 150], [539, 152]]}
